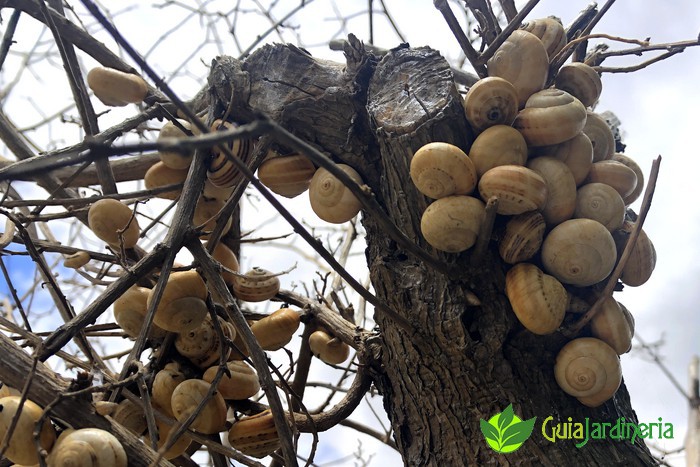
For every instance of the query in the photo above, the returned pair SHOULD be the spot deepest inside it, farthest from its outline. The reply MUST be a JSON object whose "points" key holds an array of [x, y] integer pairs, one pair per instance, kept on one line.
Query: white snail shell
{"points": [[550, 116], [576, 153], [538, 300], [330, 199], [518, 189], [228, 259], [550, 31], [523, 237], [206, 213], [641, 262], [442, 169], [160, 175], [452, 224], [639, 187], [257, 285], [187, 395], [601, 136], [242, 384], [615, 174], [21, 448], [490, 101], [131, 416], [87, 447], [601, 203], [498, 145], [581, 81], [182, 305], [107, 217], [288, 176], [614, 325], [561, 189], [130, 312], [164, 383]]}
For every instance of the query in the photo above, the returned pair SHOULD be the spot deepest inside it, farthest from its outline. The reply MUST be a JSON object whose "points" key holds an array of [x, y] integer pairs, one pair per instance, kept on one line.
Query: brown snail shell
{"points": [[288, 176], [164, 383], [550, 31], [328, 348], [21, 448], [77, 260], [257, 285], [130, 416], [215, 192], [187, 395], [639, 187], [522, 60], [255, 435], [222, 172], [581, 81], [523, 237], [175, 159], [641, 262], [159, 175], [442, 169], [202, 345], [518, 189], [576, 153], [452, 224], [617, 175], [498, 145], [579, 252], [614, 325], [6, 390], [490, 101], [181, 307], [130, 312], [276, 330], [116, 88], [601, 136], [242, 384], [588, 369], [561, 189], [177, 449], [550, 116], [330, 199], [107, 217], [87, 447], [206, 213], [601, 203], [538, 300], [227, 258]]}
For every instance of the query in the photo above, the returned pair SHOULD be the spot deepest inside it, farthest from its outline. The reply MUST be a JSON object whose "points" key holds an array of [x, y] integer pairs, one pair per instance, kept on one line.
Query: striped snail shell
{"points": [[202, 345], [87, 447], [523, 237], [490, 101], [442, 169], [550, 31], [187, 395], [518, 189], [242, 384], [330, 199], [255, 435], [257, 285], [222, 172], [288, 176], [164, 383], [21, 448], [538, 300]]}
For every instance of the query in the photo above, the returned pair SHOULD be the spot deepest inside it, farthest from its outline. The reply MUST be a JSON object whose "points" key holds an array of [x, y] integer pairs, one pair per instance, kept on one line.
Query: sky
{"points": [[655, 106]]}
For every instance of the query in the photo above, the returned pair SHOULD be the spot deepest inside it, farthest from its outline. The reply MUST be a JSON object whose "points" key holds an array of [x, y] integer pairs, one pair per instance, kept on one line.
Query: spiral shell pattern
{"points": [[452, 224], [518, 189], [257, 285], [87, 447], [442, 169], [255, 435], [490, 101], [187, 396], [581, 81], [601, 203], [330, 199], [222, 172]]}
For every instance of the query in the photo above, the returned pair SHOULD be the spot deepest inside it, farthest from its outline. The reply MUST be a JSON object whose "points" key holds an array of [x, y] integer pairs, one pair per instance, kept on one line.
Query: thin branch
{"points": [[512, 26], [462, 39]]}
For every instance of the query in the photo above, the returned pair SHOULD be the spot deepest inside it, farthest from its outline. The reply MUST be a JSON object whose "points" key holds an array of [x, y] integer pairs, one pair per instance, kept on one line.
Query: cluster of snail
{"points": [[562, 193]]}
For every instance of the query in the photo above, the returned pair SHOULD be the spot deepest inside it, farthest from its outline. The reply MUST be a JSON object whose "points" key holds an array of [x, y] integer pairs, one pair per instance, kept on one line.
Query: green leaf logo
{"points": [[505, 432]]}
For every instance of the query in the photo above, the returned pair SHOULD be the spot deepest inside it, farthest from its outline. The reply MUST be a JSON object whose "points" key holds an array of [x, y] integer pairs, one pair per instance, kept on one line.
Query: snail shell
{"points": [[242, 384], [452, 224], [538, 300], [331, 200], [561, 189], [164, 383], [641, 262], [107, 217], [21, 448], [498, 145], [601, 136], [288, 176], [257, 285], [521, 60], [206, 212], [87, 447], [202, 345], [6, 390], [177, 449], [639, 187], [130, 312], [227, 258], [159, 175], [130, 416], [175, 159], [255, 435], [614, 325], [601, 203], [442, 169], [550, 31], [116, 88], [212, 191], [490, 101], [581, 81], [276, 330], [617, 175], [187, 395], [181, 307], [328, 348], [550, 116], [579, 252], [588, 369], [576, 153], [222, 172], [77, 260], [523, 237], [518, 189]]}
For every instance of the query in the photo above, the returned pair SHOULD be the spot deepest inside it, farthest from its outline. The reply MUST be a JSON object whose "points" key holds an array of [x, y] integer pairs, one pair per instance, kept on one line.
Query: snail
{"points": [[21, 448], [164, 383], [242, 384], [639, 187], [490, 101], [442, 169], [522, 60], [181, 307], [178, 160], [617, 175], [255, 435], [561, 189], [614, 325], [77, 260], [288, 176], [576, 153], [257, 285], [130, 416], [87, 447], [550, 31], [202, 345], [641, 262], [538, 300], [550, 116], [215, 192], [588, 369], [579, 252], [227, 258], [452, 224], [601, 136], [329, 349], [177, 449], [330, 199], [498, 145], [222, 172], [522, 238], [581, 81], [276, 330], [114, 222], [601, 203], [6, 390], [518, 189], [130, 312], [160, 175], [187, 396], [116, 88], [206, 213]]}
